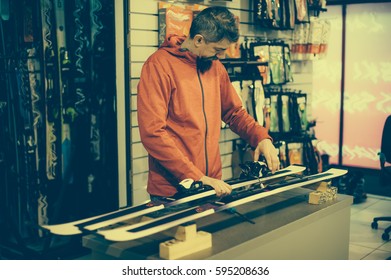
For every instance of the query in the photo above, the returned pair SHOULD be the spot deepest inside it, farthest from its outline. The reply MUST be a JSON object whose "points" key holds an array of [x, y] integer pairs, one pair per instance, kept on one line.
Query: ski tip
{"points": [[337, 171], [62, 229], [296, 167], [116, 237], [293, 168]]}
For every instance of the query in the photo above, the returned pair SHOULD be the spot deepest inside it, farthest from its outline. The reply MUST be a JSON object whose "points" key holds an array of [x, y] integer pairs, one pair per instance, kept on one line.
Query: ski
{"points": [[66, 114], [102, 166], [107, 219], [150, 227]]}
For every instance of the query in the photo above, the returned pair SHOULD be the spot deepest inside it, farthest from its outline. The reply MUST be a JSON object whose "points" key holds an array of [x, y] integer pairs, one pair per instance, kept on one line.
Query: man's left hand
{"points": [[267, 149]]}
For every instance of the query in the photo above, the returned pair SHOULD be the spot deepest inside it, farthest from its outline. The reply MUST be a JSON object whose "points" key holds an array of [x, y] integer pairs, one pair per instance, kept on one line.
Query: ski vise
{"points": [[187, 241]]}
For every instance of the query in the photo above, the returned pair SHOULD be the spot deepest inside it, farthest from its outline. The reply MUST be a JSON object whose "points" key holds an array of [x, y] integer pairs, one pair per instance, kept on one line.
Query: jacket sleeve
{"points": [[153, 98], [236, 116]]}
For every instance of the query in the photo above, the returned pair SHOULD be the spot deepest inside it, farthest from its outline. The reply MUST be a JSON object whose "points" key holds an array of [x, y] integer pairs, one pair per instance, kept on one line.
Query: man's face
{"points": [[207, 52], [213, 50]]}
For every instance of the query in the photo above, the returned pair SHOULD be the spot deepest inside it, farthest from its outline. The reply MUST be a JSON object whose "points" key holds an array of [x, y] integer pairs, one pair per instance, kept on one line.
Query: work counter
{"points": [[284, 227]]}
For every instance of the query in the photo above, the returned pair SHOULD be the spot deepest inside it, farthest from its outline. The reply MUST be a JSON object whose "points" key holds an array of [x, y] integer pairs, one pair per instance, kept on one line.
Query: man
{"points": [[183, 94]]}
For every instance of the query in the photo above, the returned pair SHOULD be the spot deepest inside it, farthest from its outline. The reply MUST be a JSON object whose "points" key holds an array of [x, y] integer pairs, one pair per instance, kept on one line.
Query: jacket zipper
{"points": [[206, 124]]}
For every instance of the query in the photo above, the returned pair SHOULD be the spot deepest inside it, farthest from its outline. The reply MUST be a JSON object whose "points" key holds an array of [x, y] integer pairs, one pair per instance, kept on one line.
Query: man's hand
{"points": [[221, 187], [268, 150]]}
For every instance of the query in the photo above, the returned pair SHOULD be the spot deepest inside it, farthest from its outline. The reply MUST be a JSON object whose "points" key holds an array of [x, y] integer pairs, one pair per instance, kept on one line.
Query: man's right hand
{"points": [[221, 188]]}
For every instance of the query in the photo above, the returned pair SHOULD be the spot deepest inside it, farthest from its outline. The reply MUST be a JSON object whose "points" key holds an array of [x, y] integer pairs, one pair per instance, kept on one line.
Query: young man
{"points": [[183, 94]]}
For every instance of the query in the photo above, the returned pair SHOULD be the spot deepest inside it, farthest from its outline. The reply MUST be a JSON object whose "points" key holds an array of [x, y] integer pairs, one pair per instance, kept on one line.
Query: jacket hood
{"points": [[172, 45]]}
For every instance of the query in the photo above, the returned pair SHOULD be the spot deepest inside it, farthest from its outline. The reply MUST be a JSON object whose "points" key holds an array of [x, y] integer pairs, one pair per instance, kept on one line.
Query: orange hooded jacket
{"points": [[179, 116]]}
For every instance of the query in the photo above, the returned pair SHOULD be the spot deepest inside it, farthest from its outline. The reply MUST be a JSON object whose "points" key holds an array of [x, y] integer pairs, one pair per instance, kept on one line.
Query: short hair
{"points": [[215, 24]]}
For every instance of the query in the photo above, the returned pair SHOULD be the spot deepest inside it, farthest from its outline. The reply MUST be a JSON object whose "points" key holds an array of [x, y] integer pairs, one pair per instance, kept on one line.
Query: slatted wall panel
{"points": [[143, 41]]}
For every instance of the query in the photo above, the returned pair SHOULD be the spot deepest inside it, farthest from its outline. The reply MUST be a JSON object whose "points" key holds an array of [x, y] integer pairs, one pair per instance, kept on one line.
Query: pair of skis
{"points": [[98, 222], [256, 189], [256, 192]]}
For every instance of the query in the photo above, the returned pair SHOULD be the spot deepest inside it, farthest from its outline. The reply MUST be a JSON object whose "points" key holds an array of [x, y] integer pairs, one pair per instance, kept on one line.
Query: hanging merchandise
{"points": [[270, 13], [300, 41], [302, 14], [253, 99], [238, 89], [267, 110], [245, 49], [282, 153], [259, 102], [285, 112], [259, 51], [311, 157], [293, 141], [277, 14], [295, 153], [287, 64], [173, 19], [277, 59], [247, 94], [318, 156], [315, 36], [316, 6], [237, 86], [299, 112], [324, 38], [289, 13], [274, 112], [263, 13], [310, 40], [282, 7], [276, 63]]}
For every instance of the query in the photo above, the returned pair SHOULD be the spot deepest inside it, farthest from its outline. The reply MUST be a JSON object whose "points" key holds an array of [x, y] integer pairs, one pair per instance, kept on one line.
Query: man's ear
{"points": [[198, 40]]}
